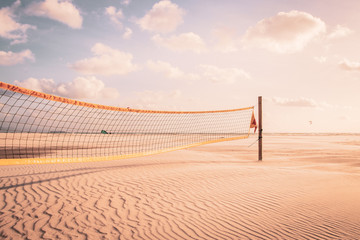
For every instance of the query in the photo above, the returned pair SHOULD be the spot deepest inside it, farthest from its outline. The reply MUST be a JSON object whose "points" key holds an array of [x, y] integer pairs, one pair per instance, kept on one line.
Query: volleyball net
{"points": [[38, 128]]}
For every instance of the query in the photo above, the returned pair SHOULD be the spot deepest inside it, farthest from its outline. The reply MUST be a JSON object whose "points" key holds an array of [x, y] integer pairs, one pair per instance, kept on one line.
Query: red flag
{"points": [[253, 123]]}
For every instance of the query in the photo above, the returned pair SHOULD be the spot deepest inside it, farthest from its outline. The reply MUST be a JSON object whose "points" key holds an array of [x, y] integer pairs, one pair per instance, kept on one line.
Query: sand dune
{"points": [[307, 187]]}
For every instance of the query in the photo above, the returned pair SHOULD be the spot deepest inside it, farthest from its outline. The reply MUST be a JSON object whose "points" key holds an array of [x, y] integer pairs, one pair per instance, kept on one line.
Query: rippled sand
{"points": [[307, 187]]}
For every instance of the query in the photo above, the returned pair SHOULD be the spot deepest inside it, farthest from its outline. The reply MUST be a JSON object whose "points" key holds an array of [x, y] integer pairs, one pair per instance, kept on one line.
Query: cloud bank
{"points": [[165, 68], [340, 32], [107, 61], [183, 42], [164, 17], [80, 88], [304, 102], [223, 75], [127, 34], [115, 15], [125, 2], [226, 39], [9, 28], [170, 71], [12, 58], [209, 73], [349, 65], [155, 100], [284, 33], [290, 102], [61, 11]]}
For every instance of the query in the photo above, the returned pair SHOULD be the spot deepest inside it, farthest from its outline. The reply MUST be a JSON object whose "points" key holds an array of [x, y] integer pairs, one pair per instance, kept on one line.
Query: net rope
{"points": [[41, 128]]}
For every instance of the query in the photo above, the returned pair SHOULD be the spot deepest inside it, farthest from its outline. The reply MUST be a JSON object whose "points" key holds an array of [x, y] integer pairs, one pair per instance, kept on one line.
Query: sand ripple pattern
{"points": [[166, 197]]}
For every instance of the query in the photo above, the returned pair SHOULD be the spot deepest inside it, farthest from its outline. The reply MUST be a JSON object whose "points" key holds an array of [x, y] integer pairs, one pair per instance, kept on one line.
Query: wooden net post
{"points": [[260, 127]]}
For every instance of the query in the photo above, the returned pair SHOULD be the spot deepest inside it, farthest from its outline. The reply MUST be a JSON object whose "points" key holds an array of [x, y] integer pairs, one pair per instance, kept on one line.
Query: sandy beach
{"points": [[306, 187]]}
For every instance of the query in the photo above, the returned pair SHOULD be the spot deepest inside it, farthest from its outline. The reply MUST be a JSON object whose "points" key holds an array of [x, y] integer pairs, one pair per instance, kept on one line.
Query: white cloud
{"points": [[321, 59], [155, 100], [170, 71], [297, 102], [107, 61], [210, 73], [226, 39], [45, 85], [165, 68], [349, 65], [127, 34], [304, 102], [183, 42], [156, 96], [164, 17], [125, 2], [59, 10], [339, 32], [87, 87], [115, 15], [284, 33], [80, 88], [9, 28], [223, 75], [12, 58]]}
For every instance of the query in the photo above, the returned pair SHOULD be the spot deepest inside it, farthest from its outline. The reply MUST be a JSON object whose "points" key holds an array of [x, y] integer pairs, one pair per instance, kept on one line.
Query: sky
{"points": [[301, 56]]}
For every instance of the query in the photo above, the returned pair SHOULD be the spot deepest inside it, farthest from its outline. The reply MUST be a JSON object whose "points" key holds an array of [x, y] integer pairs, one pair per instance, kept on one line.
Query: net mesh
{"points": [[41, 128]]}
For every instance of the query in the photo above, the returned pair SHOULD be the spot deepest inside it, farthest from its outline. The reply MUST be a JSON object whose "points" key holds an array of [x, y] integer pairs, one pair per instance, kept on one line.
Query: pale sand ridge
{"points": [[307, 187]]}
